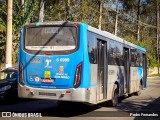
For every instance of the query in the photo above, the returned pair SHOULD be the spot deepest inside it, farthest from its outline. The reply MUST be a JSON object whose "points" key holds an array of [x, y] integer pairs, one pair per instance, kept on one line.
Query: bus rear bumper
{"points": [[77, 95]]}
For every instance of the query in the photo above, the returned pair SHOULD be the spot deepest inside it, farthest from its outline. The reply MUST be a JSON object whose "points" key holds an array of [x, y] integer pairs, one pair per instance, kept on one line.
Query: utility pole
{"points": [[22, 3], [138, 19], [68, 9], [116, 23], [82, 11], [41, 11], [100, 15], [158, 34], [23, 6], [9, 35]]}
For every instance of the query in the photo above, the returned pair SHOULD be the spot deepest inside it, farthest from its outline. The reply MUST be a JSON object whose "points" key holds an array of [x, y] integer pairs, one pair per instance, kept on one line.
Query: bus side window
{"points": [[141, 59], [137, 56], [112, 53], [92, 47], [133, 58], [119, 54]]}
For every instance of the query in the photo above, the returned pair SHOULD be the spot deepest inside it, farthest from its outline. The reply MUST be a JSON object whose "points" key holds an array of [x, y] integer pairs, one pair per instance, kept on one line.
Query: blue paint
{"points": [[140, 48], [140, 72], [65, 79], [32, 68]]}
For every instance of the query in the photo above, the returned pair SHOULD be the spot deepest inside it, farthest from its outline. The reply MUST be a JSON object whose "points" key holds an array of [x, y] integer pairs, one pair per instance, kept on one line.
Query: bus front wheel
{"points": [[114, 101]]}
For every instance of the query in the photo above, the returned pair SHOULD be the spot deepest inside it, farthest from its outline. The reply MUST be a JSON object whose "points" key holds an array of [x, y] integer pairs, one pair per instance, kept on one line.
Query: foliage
{"points": [[88, 11], [147, 44], [3, 18], [153, 75], [20, 17]]}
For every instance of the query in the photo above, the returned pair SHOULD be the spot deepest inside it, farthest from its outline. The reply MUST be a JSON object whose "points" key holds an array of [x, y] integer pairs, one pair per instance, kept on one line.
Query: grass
{"points": [[154, 75]]}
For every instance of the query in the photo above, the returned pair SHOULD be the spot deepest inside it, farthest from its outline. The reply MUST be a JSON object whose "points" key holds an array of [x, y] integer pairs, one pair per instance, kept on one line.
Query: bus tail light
{"points": [[77, 78], [68, 91], [21, 77]]}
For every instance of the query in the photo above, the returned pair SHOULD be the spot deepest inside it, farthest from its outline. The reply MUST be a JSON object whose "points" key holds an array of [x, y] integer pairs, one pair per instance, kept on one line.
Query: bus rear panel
{"points": [[51, 62]]}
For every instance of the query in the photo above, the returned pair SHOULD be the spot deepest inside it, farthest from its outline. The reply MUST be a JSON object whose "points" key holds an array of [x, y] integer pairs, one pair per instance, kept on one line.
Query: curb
{"points": [[154, 77]]}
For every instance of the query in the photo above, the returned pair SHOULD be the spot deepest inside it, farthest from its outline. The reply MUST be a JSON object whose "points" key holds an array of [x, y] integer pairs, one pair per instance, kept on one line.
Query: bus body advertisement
{"points": [[72, 61]]}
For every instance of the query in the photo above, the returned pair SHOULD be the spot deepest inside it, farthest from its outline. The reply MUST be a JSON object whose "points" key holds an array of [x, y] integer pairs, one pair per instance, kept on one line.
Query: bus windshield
{"points": [[50, 38]]}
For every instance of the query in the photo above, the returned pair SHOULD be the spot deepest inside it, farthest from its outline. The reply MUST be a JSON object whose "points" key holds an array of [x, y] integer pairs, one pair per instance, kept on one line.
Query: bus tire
{"points": [[114, 101]]}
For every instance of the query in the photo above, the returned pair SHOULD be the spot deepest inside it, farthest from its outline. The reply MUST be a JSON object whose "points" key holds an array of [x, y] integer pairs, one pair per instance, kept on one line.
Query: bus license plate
{"points": [[48, 80], [47, 94]]}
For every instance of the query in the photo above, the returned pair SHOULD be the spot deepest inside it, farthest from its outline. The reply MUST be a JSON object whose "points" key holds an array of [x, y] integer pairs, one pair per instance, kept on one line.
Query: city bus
{"points": [[75, 62]]}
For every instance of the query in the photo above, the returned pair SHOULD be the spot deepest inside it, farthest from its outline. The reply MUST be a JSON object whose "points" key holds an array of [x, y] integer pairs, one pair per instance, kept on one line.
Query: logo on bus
{"points": [[47, 63], [61, 69], [37, 79], [47, 74]]}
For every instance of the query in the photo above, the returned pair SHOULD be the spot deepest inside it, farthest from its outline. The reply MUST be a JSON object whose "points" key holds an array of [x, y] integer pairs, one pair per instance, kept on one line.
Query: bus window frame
{"points": [[62, 52]]}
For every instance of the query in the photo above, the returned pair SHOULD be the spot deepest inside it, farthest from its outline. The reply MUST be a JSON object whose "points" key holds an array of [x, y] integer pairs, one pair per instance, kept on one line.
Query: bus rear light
{"points": [[21, 77], [27, 89], [87, 89], [68, 91], [77, 78], [76, 23]]}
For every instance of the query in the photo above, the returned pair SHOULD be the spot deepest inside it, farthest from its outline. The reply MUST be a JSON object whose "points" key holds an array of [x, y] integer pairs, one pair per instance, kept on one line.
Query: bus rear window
{"points": [[50, 38]]}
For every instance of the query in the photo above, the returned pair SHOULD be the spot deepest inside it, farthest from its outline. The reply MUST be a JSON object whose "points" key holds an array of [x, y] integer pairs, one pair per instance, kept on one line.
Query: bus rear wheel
{"points": [[114, 101]]}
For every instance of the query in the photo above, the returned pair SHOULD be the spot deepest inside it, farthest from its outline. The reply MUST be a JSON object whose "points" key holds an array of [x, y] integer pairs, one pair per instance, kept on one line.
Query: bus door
{"points": [[102, 70], [126, 70], [144, 71]]}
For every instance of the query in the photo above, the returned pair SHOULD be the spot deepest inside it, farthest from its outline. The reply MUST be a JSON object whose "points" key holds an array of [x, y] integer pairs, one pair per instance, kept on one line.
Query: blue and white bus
{"points": [[72, 61]]}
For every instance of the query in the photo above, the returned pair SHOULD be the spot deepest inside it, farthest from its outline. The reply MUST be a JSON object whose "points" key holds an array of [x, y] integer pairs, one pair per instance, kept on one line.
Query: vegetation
{"points": [[153, 75], [20, 16], [136, 19]]}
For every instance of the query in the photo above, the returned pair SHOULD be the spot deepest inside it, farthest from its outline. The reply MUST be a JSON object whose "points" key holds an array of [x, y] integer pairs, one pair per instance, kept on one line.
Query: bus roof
{"points": [[114, 37], [92, 29], [51, 23]]}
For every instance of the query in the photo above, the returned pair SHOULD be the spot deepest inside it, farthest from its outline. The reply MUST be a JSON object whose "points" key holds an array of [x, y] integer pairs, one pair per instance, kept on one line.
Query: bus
{"points": [[75, 62]]}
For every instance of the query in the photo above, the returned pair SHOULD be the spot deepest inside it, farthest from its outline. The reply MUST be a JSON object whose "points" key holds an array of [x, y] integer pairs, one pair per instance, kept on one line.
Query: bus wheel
{"points": [[114, 101]]}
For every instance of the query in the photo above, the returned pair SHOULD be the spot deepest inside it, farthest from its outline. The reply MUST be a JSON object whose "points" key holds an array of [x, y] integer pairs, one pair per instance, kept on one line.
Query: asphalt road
{"points": [[131, 107]]}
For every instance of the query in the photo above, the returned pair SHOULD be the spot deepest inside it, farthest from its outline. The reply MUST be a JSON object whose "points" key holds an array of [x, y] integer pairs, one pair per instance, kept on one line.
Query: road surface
{"points": [[130, 108]]}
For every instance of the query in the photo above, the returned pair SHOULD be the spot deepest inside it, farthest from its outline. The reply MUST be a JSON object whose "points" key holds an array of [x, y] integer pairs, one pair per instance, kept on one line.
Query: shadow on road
{"points": [[133, 106], [47, 108], [153, 108], [138, 109], [50, 108], [14, 101], [68, 110]]}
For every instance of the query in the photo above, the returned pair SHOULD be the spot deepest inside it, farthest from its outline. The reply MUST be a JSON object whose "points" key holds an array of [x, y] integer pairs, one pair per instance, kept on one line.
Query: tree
{"points": [[157, 4], [136, 19], [100, 15], [20, 17]]}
